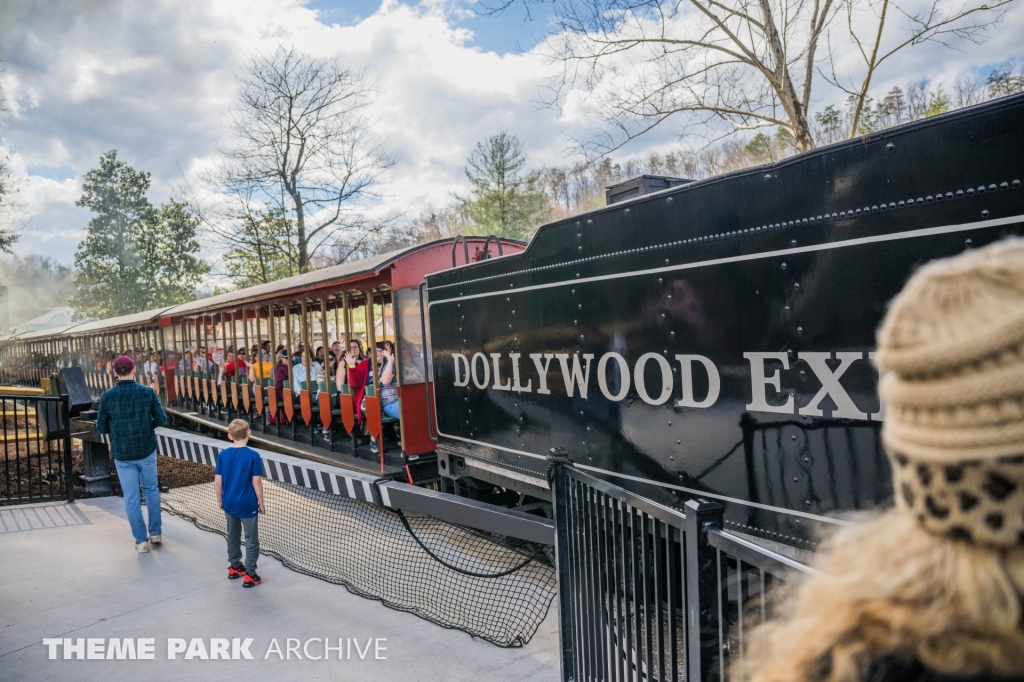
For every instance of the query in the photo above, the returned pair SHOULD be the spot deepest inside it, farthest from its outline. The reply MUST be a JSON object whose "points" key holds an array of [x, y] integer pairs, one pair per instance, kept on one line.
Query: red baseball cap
{"points": [[123, 366]]}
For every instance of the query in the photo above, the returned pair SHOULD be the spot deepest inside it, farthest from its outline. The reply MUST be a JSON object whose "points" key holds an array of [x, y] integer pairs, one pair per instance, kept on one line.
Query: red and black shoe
{"points": [[235, 572], [251, 580]]}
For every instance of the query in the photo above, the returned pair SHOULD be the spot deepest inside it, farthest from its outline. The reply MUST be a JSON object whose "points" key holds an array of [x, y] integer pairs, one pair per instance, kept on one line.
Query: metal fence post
{"points": [[703, 581], [558, 480], [65, 418]]}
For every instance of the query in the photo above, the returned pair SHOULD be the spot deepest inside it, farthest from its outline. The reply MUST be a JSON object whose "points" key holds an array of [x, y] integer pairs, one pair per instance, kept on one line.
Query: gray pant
{"points": [[252, 541]]}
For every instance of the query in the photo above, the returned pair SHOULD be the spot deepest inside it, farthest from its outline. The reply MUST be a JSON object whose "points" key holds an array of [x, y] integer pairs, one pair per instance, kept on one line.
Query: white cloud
{"points": [[155, 81]]}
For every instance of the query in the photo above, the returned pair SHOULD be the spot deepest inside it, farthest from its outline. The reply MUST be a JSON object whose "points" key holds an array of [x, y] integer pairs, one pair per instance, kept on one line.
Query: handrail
{"points": [[751, 553], [672, 517], [431, 434], [465, 247], [487, 247]]}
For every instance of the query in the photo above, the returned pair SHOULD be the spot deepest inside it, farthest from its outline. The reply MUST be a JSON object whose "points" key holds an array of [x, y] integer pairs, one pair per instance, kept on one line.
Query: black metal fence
{"points": [[650, 593], [36, 462]]}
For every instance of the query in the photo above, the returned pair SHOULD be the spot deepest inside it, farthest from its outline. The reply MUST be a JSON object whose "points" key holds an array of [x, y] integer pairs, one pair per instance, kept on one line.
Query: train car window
{"points": [[410, 335]]}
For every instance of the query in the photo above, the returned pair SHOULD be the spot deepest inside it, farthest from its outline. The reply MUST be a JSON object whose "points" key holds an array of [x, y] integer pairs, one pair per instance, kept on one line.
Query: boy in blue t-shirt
{"points": [[239, 486]]}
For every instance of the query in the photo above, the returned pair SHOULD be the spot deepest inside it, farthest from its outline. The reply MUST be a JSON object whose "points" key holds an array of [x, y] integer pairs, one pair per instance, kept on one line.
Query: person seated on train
{"points": [[349, 361], [331, 368], [233, 366], [264, 368], [354, 370], [299, 373], [150, 366], [388, 385], [281, 370], [198, 359]]}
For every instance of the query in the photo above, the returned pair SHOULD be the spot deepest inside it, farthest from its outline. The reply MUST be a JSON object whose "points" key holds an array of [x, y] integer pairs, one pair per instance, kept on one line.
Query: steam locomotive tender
{"points": [[715, 339]]}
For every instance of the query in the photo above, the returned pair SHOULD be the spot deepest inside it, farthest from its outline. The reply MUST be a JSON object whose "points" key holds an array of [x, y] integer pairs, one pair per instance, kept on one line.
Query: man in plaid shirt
{"points": [[130, 412]]}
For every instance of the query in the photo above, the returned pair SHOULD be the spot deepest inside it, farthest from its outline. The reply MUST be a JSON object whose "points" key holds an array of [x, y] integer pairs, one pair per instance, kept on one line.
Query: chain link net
{"points": [[491, 586]]}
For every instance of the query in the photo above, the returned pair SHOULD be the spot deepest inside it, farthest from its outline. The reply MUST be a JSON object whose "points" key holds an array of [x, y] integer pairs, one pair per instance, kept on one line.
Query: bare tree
{"points": [[732, 64], [303, 145], [8, 230], [948, 22]]}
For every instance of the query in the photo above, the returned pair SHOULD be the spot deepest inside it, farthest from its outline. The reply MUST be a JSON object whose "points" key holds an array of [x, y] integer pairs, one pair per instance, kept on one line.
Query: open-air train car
{"points": [[370, 300], [715, 339]]}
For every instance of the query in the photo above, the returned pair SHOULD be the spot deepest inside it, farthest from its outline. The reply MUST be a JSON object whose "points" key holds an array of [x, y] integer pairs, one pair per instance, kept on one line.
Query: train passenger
{"points": [[932, 589], [281, 369], [264, 368], [150, 366], [388, 384], [354, 370], [232, 366], [350, 360], [299, 373]]}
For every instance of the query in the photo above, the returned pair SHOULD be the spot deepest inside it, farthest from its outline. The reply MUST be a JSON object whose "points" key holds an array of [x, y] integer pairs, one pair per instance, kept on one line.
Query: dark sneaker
{"points": [[235, 572], [251, 580], [374, 448]]}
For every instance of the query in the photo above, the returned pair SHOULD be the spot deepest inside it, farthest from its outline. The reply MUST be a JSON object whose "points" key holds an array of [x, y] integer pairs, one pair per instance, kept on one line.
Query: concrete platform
{"points": [[71, 571]]}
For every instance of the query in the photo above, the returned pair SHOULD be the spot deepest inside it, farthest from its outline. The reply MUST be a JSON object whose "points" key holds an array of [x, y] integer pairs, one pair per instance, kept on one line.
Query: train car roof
{"points": [[342, 271], [41, 333], [112, 323]]}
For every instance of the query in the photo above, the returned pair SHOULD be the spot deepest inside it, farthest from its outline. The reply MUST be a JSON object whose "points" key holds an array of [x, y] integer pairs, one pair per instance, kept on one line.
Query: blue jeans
{"points": [[252, 541], [136, 475], [391, 410]]}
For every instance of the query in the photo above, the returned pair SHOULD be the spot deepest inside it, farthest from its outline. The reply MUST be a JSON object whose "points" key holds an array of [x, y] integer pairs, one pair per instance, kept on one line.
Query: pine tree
{"points": [[134, 257], [263, 250], [506, 199]]}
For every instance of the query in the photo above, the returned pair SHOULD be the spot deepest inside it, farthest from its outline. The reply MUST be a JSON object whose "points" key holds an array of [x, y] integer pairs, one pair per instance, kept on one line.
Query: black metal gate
{"points": [[650, 593], [36, 461]]}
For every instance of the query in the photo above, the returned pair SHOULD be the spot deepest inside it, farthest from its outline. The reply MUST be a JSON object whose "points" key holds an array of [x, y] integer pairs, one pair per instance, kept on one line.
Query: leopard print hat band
{"points": [[951, 353]]}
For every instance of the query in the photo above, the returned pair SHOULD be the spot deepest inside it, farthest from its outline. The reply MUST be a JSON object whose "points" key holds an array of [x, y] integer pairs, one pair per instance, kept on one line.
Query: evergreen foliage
{"points": [[134, 256], [506, 199]]}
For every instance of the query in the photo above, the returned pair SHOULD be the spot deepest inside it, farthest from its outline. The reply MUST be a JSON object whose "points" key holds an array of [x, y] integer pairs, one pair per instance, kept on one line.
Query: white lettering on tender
{"points": [[602, 376], [498, 386], [880, 415], [542, 370], [576, 378], [830, 386], [640, 383], [516, 385], [759, 383], [461, 363], [477, 381], [686, 376]]}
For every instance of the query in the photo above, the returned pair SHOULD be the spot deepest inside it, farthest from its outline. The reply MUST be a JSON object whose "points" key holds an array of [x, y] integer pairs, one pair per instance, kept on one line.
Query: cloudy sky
{"points": [[154, 79]]}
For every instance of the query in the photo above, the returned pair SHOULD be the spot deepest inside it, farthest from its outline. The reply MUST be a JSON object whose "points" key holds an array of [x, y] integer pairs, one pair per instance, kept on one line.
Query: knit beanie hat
{"points": [[951, 353]]}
